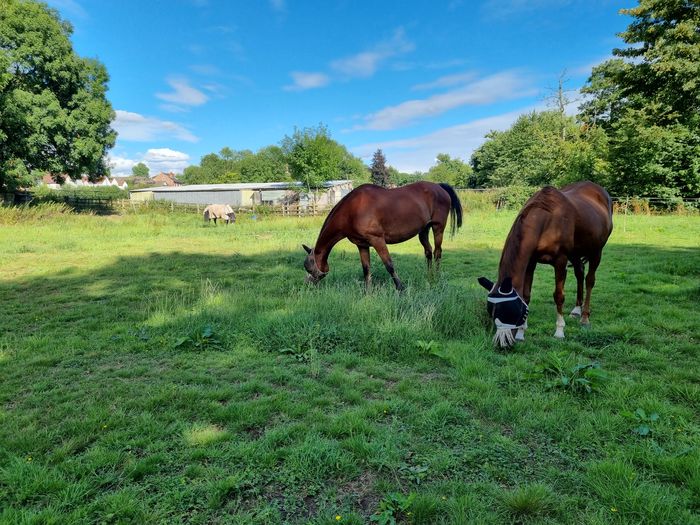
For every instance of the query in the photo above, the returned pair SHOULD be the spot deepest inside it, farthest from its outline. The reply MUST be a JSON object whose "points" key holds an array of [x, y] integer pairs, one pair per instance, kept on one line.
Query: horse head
{"points": [[314, 274], [507, 309]]}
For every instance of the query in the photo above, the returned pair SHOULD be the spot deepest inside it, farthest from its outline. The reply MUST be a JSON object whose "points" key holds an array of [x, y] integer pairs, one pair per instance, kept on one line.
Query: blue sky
{"points": [[415, 78]]}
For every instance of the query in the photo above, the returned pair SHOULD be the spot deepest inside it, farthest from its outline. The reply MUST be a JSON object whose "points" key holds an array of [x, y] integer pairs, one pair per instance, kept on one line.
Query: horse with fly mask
{"points": [[554, 227]]}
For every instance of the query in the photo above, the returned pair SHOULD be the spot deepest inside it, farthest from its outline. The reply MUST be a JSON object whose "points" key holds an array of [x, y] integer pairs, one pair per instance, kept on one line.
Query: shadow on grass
{"points": [[264, 297]]}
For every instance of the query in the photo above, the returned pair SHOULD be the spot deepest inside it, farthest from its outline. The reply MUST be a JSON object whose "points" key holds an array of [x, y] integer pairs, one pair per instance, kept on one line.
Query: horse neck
{"points": [[329, 237], [518, 252]]}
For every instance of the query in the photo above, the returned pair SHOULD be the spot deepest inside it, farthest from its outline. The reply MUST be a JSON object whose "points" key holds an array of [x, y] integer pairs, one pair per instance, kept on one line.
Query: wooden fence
{"points": [[105, 206]]}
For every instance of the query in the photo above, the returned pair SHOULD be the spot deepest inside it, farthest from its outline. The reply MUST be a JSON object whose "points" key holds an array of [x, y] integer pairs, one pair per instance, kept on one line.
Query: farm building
{"points": [[245, 194]]}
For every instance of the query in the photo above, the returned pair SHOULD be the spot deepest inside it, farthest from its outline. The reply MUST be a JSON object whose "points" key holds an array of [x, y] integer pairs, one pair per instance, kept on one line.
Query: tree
{"points": [[452, 171], [398, 178], [54, 115], [379, 171], [314, 158], [267, 165], [647, 100], [535, 151], [140, 170]]}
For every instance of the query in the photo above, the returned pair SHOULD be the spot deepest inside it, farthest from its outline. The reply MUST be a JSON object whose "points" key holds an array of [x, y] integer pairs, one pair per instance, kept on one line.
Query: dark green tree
{"points": [[452, 171], [54, 116], [647, 99], [314, 157], [399, 178], [140, 170], [379, 171], [267, 165]]}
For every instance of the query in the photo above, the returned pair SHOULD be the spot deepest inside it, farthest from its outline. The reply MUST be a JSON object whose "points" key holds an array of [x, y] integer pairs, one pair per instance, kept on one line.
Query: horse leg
{"points": [[527, 289], [578, 271], [560, 277], [364, 259], [438, 230], [425, 241], [379, 245], [593, 263]]}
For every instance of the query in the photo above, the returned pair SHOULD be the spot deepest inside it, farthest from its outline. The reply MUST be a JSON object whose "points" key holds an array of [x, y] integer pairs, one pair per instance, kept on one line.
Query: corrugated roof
{"points": [[239, 186]]}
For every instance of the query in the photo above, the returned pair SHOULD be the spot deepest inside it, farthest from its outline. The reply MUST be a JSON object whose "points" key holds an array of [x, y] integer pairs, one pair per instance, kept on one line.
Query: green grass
{"points": [[153, 369]]}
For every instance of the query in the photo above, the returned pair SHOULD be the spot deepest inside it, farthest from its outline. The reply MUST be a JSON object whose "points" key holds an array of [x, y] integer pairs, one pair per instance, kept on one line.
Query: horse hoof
{"points": [[585, 323], [559, 335], [576, 312], [519, 337]]}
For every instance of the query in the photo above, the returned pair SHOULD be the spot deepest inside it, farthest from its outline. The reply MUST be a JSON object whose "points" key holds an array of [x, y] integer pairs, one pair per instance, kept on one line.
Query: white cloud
{"points": [[138, 128], [183, 94], [501, 86], [418, 153], [365, 64], [120, 166], [303, 81], [166, 159], [360, 65], [157, 160], [205, 69], [446, 81]]}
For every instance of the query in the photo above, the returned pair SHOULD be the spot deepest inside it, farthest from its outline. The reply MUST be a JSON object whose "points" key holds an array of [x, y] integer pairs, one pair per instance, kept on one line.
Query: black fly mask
{"points": [[507, 309]]}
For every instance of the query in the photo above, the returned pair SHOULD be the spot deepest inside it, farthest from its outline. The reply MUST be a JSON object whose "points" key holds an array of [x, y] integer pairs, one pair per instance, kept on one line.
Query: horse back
{"points": [[396, 214], [593, 207]]}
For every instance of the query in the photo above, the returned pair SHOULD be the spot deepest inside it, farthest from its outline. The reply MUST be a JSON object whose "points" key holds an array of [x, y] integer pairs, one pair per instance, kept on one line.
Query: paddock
{"points": [[190, 371]]}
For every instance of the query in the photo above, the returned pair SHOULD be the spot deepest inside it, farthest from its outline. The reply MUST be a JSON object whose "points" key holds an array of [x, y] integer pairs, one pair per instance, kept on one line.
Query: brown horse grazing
{"points": [[374, 216], [553, 227]]}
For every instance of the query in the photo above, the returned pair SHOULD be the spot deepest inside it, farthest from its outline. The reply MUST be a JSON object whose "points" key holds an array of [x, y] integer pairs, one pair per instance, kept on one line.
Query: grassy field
{"points": [[157, 370]]}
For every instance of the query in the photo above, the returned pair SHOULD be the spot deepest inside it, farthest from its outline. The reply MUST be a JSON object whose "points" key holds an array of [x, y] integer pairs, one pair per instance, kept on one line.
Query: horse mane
{"points": [[332, 213], [546, 200]]}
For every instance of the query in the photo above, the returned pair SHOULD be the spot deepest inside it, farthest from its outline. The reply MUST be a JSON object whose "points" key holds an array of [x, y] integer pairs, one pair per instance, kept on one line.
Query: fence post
{"points": [[627, 207]]}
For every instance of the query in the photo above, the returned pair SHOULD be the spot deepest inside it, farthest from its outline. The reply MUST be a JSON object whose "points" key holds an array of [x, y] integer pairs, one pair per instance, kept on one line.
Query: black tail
{"points": [[455, 208]]}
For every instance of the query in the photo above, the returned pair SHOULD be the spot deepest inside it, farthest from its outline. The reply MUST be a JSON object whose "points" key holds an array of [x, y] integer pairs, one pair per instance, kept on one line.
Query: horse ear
{"points": [[506, 286], [308, 250], [483, 281]]}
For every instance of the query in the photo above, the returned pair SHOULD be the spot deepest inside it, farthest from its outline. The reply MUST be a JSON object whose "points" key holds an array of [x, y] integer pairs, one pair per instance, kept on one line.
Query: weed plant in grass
{"points": [[154, 369]]}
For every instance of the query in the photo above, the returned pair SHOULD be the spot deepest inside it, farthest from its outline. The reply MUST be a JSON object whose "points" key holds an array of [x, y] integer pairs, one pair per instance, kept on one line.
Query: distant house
{"points": [[246, 194], [166, 179], [52, 181]]}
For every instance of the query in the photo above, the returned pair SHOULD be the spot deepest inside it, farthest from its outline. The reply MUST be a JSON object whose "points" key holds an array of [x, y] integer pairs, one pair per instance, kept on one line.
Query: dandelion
{"points": [[338, 517], [444, 498], [104, 426], [613, 509], [29, 458]]}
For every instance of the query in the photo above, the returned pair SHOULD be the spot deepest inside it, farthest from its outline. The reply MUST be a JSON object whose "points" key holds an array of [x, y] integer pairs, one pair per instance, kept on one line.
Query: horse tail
{"points": [[455, 208]]}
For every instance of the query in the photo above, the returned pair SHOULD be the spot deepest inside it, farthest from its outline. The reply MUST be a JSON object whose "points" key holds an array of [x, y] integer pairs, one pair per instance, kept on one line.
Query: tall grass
{"points": [[32, 213]]}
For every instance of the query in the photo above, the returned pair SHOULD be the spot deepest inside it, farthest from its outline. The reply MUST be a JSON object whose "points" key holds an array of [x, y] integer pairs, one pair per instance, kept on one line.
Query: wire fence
{"points": [[473, 199]]}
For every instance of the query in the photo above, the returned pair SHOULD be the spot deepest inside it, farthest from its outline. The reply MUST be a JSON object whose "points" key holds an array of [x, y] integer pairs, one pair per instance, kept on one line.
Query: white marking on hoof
{"points": [[559, 333], [520, 335], [576, 312]]}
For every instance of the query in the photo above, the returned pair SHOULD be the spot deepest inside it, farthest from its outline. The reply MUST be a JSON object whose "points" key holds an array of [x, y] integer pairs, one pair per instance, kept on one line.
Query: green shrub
{"points": [[46, 194]]}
